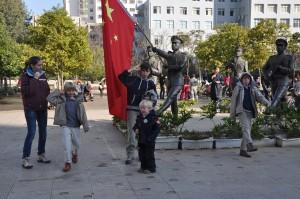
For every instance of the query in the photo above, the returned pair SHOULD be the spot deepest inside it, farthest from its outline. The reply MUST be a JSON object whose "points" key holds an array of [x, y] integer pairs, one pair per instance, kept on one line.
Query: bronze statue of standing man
{"points": [[176, 62], [277, 72], [238, 65]]}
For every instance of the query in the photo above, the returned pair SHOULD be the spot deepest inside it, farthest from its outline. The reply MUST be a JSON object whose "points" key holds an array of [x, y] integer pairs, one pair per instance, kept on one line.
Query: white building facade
{"points": [[160, 19], [250, 12], [89, 12]]}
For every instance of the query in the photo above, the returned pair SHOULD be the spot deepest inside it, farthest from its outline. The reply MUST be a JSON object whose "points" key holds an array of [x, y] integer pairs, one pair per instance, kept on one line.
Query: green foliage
{"points": [[13, 13], [209, 110], [9, 53], [174, 124], [261, 42], [229, 129], [286, 118], [220, 47], [96, 71], [64, 47], [258, 44]]}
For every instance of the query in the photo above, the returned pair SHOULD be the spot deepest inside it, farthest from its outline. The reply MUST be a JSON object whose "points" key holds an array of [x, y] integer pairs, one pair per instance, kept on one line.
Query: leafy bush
{"points": [[172, 124], [229, 129]]}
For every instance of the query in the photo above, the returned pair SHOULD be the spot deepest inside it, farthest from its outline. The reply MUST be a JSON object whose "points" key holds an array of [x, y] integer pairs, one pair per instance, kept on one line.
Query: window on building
{"points": [[257, 21], [157, 40], [296, 23], [99, 16], [259, 8], [232, 12], [91, 18], [272, 8], [132, 1], [132, 9], [170, 24], [221, 11], [91, 10], [125, 1], [274, 20], [157, 24], [208, 25], [183, 24], [286, 8], [235, 1], [196, 0], [156, 9], [209, 0], [297, 7], [170, 10], [285, 21], [183, 10], [196, 25], [221, 0], [99, 7], [196, 11], [208, 11]]}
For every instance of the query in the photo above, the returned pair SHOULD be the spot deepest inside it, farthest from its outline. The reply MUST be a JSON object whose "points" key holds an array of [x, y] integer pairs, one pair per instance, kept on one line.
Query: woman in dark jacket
{"points": [[217, 86], [34, 89]]}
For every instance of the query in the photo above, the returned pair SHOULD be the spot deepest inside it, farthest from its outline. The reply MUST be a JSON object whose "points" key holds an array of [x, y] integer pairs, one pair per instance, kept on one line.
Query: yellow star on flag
{"points": [[108, 10]]}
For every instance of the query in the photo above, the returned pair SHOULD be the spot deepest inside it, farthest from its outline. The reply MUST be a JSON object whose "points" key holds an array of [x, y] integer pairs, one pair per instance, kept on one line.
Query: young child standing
{"points": [[147, 127], [70, 115], [243, 105]]}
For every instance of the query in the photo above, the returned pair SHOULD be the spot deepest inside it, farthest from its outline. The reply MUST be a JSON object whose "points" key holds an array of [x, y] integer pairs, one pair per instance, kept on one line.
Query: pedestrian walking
{"points": [[147, 128], [34, 90], [70, 115], [243, 104], [194, 87], [137, 86], [217, 87]]}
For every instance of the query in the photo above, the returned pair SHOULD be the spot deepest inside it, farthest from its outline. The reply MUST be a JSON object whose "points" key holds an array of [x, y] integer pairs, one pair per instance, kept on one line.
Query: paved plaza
{"points": [[272, 173]]}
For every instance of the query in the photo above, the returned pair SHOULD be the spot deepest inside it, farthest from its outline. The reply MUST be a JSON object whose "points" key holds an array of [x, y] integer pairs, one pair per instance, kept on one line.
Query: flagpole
{"points": [[141, 30], [143, 33]]}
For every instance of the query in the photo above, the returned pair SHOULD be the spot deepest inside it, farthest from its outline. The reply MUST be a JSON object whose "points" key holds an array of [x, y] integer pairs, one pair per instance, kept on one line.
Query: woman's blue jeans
{"points": [[33, 117]]}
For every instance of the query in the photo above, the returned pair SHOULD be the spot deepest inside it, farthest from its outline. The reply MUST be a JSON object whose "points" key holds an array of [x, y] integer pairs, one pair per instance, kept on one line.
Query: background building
{"points": [[162, 19], [250, 12]]}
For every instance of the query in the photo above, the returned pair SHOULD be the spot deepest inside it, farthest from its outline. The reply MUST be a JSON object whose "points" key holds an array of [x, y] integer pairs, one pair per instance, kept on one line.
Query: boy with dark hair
{"points": [[137, 86]]}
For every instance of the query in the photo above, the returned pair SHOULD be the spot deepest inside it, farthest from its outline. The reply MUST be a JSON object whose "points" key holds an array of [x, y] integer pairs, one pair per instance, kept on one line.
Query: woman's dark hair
{"points": [[33, 61]]}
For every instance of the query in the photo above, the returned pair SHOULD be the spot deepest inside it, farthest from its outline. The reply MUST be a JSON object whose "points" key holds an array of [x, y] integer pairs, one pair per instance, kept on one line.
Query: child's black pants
{"points": [[146, 156]]}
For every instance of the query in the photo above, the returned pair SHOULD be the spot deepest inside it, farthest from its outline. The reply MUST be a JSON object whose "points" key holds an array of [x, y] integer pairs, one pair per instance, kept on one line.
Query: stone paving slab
{"points": [[272, 173]]}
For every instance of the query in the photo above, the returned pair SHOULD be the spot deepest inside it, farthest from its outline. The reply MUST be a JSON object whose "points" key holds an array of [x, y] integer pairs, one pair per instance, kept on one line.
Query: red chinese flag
{"points": [[118, 36]]}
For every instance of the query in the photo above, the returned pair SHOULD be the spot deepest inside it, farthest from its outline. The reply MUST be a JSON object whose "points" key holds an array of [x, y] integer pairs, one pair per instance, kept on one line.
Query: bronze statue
{"points": [[154, 63], [238, 65], [176, 62], [277, 72]]}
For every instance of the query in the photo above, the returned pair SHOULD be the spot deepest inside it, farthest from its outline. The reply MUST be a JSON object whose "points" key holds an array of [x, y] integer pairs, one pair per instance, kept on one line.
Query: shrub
{"points": [[172, 124]]}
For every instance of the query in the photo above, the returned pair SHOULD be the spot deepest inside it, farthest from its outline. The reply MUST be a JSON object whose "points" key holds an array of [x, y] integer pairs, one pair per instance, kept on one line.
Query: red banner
{"points": [[118, 36]]}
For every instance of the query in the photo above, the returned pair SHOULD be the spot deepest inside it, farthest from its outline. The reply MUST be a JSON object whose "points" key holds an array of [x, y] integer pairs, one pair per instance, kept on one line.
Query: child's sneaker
{"points": [[74, 158], [147, 172], [67, 167], [26, 163], [42, 159]]}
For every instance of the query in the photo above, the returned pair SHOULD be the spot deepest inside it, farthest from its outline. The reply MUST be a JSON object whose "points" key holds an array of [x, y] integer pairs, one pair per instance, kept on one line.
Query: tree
{"points": [[64, 47], [220, 47], [96, 71], [14, 14], [261, 43], [258, 44], [9, 54]]}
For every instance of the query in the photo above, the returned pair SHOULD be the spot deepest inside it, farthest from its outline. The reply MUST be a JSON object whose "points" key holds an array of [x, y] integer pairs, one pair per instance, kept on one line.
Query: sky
{"points": [[37, 7]]}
